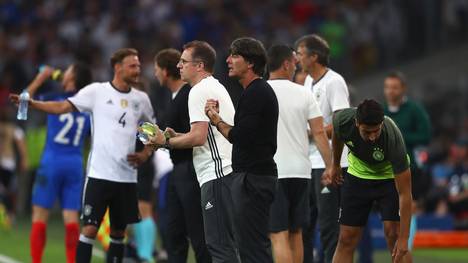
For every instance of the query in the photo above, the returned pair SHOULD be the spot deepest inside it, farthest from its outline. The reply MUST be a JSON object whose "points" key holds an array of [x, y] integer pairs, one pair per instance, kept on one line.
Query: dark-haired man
{"points": [[298, 110], [116, 109], [184, 218], [378, 172], [253, 137]]}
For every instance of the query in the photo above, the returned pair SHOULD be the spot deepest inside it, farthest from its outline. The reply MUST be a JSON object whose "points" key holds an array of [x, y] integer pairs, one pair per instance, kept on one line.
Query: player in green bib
{"points": [[378, 172]]}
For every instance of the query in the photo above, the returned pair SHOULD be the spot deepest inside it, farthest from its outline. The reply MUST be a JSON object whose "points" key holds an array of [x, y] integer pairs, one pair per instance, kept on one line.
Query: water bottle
{"points": [[56, 74], [23, 105], [146, 131]]}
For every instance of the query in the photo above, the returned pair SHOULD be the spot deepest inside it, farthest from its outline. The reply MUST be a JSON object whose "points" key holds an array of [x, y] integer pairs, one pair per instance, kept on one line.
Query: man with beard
{"points": [[116, 110]]}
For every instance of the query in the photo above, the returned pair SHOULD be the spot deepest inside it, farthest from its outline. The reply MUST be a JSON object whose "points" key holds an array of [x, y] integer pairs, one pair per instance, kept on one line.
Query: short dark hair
{"points": [[204, 52], [369, 112], [398, 75], [315, 44], [277, 54], [252, 50], [83, 75], [122, 53], [167, 59]]}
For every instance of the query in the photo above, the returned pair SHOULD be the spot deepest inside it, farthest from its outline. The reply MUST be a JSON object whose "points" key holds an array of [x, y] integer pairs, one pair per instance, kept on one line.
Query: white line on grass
{"points": [[96, 252], [5, 259]]}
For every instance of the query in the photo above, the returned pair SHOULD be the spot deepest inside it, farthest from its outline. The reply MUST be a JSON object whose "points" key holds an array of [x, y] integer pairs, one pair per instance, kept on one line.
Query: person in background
{"points": [[11, 137], [415, 126], [61, 171]]}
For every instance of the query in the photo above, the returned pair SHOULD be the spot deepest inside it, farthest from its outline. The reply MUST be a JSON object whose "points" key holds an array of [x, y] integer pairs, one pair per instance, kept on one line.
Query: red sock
{"points": [[72, 234], [37, 241]]}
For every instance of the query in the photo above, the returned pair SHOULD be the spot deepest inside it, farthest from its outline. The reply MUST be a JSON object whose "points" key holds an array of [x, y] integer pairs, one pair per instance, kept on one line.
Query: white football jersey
{"points": [[331, 93], [296, 107], [213, 159], [115, 117]]}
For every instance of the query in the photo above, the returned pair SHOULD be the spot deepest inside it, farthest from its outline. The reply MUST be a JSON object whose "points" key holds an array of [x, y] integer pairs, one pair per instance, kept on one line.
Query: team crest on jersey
{"points": [[135, 106], [378, 154], [87, 210], [124, 103]]}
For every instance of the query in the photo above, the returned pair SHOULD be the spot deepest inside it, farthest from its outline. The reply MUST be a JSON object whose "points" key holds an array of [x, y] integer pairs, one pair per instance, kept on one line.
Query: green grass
{"points": [[15, 244], [429, 256]]}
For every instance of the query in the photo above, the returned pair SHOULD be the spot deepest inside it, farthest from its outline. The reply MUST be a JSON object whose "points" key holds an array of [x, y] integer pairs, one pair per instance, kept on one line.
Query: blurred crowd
{"points": [[364, 36]]}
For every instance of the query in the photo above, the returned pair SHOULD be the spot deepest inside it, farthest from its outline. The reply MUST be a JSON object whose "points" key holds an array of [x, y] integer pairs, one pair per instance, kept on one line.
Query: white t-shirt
{"points": [[213, 159], [296, 106], [115, 116], [331, 93]]}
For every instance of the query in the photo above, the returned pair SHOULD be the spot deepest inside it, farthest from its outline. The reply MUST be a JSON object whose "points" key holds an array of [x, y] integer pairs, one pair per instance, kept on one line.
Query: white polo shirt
{"points": [[115, 116], [331, 94], [213, 159], [296, 107]]}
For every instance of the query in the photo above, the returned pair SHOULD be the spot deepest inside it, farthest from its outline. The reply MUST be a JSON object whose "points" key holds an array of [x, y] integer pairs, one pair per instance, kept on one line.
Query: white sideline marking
{"points": [[96, 252], [5, 259]]}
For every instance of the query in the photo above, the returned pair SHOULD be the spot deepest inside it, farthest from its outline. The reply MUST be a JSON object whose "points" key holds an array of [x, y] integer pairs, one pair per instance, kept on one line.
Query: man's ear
{"points": [[117, 67], [250, 65], [286, 64]]}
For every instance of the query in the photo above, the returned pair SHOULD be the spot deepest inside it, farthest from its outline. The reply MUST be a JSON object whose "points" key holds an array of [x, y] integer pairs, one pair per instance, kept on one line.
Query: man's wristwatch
{"points": [[166, 144]]}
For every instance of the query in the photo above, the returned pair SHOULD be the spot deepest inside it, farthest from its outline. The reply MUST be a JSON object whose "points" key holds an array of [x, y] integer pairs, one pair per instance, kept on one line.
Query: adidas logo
{"points": [[208, 205], [110, 102], [325, 190]]}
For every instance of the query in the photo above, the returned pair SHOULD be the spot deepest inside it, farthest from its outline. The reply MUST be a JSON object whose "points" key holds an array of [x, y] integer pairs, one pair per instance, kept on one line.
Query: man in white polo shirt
{"points": [[211, 151], [331, 93], [289, 211]]}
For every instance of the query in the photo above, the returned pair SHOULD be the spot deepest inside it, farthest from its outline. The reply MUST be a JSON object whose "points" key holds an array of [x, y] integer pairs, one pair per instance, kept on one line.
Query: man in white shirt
{"points": [[289, 211], [211, 151], [331, 93], [116, 110], [184, 212]]}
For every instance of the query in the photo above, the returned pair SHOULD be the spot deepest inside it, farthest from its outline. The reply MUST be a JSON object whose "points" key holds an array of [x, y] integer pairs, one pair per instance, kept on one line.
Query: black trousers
{"points": [[185, 220], [251, 198], [217, 214], [326, 202]]}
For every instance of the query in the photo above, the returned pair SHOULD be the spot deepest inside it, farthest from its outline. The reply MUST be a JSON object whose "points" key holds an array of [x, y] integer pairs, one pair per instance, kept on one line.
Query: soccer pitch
{"points": [[14, 247]]}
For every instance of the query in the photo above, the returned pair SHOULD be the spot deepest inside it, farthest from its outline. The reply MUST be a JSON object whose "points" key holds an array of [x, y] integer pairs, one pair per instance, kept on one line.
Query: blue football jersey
{"points": [[65, 132]]}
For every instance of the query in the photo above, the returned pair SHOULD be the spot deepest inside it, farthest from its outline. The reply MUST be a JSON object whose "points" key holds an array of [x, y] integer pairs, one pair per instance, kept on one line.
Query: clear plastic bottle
{"points": [[23, 105], [146, 131], [56, 73]]}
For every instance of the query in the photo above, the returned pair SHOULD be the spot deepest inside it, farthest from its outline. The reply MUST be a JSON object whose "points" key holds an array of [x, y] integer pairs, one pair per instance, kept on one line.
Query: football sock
{"points": [[84, 249], [116, 250], [37, 241], [145, 236], [72, 234]]}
